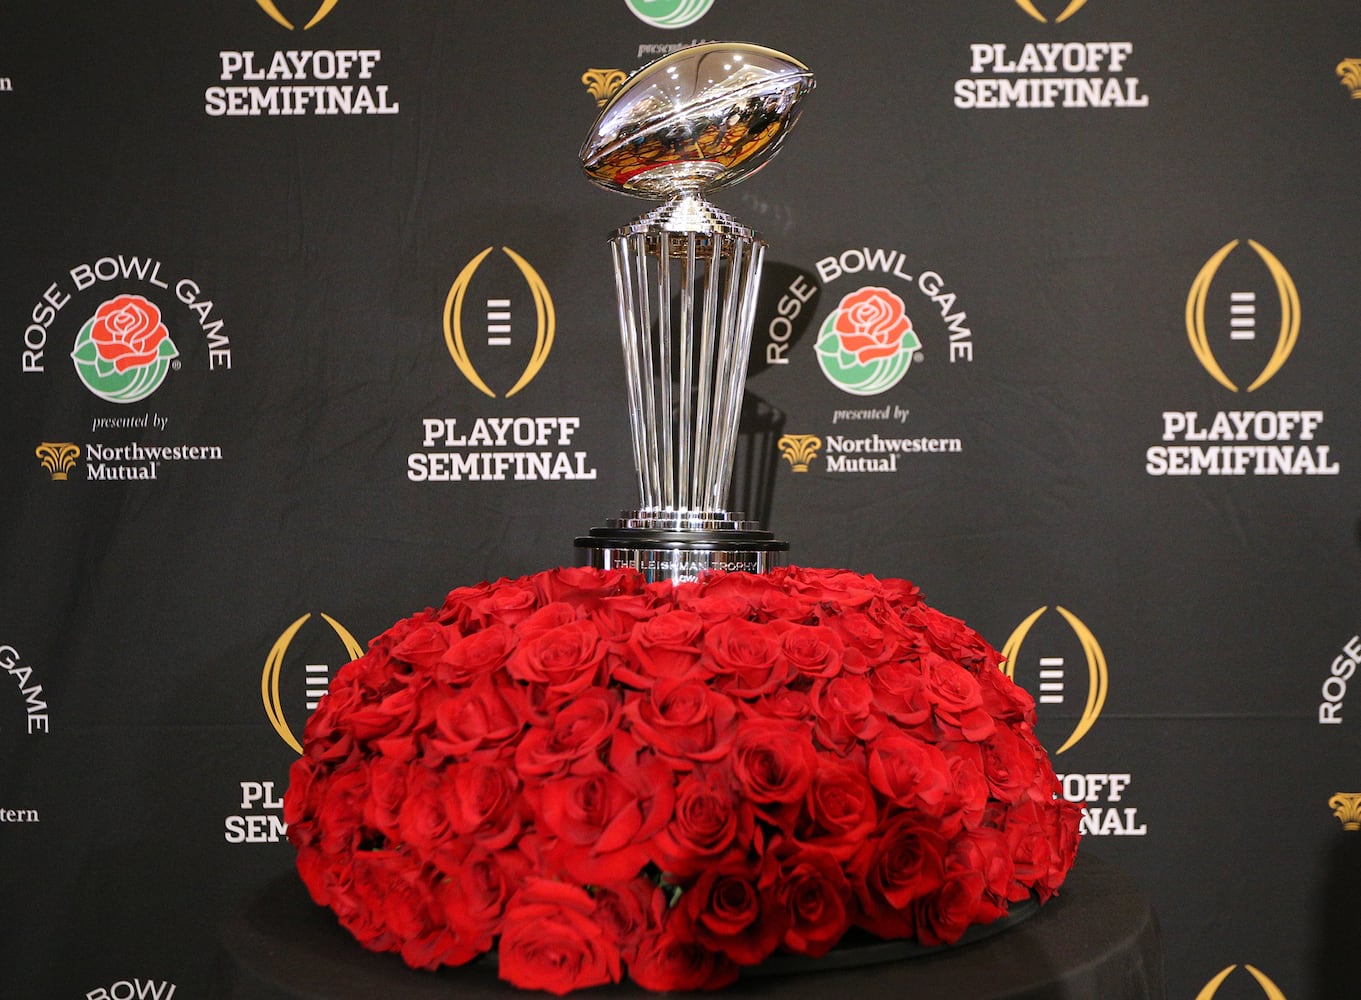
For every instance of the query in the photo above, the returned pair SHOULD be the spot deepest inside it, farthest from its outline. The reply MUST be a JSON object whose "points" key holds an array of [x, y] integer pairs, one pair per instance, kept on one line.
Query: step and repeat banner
{"points": [[307, 317]]}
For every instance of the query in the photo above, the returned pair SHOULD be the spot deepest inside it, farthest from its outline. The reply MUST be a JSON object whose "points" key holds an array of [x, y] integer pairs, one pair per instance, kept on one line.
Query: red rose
{"points": [[584, 585], [479, 720], [840, 810], [871, 324], [475, 654], [422, 823], [550, 940], [1009, 764], [815, 895], [909, 772], [845, 712], [458, 605], [812, 650], [683, 720], [984, 850], [387, 791], [733, 908], [741, 595], [566, 658], [900, 692], [482, 803], [773, 764], [956, 699], [667, 645], [1003, 699], [784, 703], [424, 645], [902, 863], [509, 602], [575, 734], [667, 963], [339, 815], [709, 824], [603, 822], [409, 912], [616, 617], [830, 588], [745, 657], [475, 894], [377, 875], [1030, 841], [968, 787], [943, 916], [127, 332], [629, 912]]}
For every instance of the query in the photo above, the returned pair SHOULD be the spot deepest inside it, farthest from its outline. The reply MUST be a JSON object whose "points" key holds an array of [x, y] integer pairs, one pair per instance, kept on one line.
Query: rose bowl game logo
{"points": [[867, 343], [124, 351]]}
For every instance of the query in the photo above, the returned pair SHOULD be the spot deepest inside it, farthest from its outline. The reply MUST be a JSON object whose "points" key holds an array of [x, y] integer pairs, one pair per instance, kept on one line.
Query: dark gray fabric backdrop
{"points": [[1074, 463]]}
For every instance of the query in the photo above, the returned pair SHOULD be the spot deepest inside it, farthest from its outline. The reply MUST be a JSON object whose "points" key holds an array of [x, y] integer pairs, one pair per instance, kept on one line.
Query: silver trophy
{"points": [[686, 278]]}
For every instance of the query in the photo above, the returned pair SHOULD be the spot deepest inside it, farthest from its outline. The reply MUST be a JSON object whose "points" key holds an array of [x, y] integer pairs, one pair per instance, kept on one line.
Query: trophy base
{"points": [[681, 555]]}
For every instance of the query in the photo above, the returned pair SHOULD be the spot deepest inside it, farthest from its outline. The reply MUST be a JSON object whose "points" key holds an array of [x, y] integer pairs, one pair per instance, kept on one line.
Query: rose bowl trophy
{"points": [[686, 277]]}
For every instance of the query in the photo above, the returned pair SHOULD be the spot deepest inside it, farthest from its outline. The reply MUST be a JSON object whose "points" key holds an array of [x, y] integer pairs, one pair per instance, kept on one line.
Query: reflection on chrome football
{"points": [[698, 119]]}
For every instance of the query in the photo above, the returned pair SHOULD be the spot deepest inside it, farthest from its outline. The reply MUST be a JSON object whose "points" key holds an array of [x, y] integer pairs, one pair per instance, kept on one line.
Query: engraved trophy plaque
{"points": [[686, 278]]}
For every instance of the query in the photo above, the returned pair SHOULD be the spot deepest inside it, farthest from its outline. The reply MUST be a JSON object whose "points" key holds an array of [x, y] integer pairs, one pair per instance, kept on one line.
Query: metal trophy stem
{"points": [[686, 280]]}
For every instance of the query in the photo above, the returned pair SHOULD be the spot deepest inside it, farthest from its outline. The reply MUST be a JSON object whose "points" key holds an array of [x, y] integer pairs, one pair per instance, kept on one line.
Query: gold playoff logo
{"points": [[269, 8], [274, 664], [58, 458], [1269, 989], [1029, 7], [1098, 675], [498, 322], [602, 84], [1349, 73], [799, 449], [1290, 315], [1346, 806]]}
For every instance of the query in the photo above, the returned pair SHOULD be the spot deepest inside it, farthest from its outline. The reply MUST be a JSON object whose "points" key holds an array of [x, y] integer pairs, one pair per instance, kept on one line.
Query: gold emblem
{"points": [[603, 83], [1346, 806], [1349, 71], [1029, 7], [799, 449], [544, 331], [1290, 315], [274, 663], [57, 458], [1098, 674], [269, 8], [1269, 989]]}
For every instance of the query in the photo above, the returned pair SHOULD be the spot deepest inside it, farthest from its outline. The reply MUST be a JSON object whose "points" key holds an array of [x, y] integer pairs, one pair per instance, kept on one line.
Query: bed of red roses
{"points": [[597, 777]]}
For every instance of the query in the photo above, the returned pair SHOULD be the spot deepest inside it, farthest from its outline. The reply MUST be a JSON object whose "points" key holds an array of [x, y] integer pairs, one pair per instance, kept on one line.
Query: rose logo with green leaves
{"points": [[123, 352], [867, 343]]}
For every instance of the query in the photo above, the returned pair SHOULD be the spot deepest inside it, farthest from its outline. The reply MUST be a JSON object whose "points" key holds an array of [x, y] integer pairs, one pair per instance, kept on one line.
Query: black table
{"points": [[1097, 938]]}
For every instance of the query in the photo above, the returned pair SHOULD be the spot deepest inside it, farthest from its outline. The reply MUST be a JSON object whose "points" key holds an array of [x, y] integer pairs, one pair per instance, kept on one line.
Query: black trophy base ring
{"points": [[682, 555]]}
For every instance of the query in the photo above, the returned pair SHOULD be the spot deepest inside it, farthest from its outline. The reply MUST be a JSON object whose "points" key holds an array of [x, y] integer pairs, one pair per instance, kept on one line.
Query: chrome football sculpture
{"points": [[686, 278]]}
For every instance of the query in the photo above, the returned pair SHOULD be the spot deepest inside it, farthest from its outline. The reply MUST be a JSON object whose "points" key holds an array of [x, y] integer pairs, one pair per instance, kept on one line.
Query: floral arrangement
{"points": [[597, 776]]}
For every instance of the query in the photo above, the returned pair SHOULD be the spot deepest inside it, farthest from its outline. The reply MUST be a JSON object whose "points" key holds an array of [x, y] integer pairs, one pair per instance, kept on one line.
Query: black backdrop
{"points": [[1193, 606]]}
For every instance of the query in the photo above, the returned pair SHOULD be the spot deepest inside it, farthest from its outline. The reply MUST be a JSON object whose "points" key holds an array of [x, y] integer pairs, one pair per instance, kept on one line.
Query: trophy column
{"points": [[686, 279]]}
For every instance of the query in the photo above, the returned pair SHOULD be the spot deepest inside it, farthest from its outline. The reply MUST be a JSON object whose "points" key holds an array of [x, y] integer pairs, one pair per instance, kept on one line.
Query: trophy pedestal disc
{"points": [[681, 553]]}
